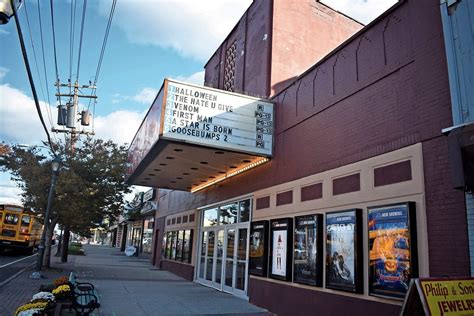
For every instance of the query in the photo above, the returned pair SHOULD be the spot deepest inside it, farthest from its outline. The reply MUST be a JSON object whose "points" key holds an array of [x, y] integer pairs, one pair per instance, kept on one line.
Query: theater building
{"points": [[311, 173]]}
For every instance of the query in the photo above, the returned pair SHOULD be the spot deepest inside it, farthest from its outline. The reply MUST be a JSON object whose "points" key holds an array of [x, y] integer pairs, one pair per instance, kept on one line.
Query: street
{"points": [[12, 262]]}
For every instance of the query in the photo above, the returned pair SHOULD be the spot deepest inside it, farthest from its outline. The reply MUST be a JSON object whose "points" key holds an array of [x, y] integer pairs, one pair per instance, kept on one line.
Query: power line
{"points": [[102, 52], [36, 63], [71, 39], [30, 77], [54, 46], [80, 39], [104, 43], [48, 107]]}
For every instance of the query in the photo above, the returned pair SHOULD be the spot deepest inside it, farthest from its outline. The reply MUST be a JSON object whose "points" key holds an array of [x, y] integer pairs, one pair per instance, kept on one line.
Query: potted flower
{"points": [[32, 309], [62, 292]]}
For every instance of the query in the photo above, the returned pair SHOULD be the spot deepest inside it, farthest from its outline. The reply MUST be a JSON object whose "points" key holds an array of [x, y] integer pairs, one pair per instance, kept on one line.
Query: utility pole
{"points": [[68, 117]]}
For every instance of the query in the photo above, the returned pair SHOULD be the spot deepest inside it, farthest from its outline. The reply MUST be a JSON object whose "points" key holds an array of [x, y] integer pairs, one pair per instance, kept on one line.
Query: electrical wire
{"points": [[102, 52], [104, 43], [48, 107], [80, 39], [30, 77], [71, 41], [48, 112], [54, 47]]}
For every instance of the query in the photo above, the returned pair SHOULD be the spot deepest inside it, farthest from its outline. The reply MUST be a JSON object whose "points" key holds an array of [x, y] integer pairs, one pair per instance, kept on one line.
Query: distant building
{"points": [[317, 179]]}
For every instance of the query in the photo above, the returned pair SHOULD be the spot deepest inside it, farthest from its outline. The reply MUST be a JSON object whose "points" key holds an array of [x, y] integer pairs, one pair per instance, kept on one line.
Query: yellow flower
{"points": [[61, 289], [38, 305]]}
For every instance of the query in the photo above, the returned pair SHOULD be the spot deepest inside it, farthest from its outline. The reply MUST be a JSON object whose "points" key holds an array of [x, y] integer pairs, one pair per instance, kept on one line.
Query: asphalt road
{"points": [[12, 262]]}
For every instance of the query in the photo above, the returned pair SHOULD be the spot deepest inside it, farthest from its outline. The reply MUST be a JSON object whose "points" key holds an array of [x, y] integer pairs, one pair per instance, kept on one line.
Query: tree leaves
{"points": [[90, 183]]}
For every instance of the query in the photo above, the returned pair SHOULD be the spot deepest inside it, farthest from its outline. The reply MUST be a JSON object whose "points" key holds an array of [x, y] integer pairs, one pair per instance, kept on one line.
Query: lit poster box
{"points": [[258, 248], [308, 250], [344, 250], [392, 249], [281, 240]]}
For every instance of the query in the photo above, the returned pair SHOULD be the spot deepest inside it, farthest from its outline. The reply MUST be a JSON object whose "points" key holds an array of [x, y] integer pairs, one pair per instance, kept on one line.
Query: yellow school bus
{"points": [[19, 228]]}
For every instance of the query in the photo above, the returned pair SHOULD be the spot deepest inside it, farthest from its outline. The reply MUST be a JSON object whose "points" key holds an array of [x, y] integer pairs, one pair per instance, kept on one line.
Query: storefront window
{"points": [[168, 245], [148, 235], [163, 246], [173, 245], [179, 245], [187, 245], [210, 217], [228, 214]]}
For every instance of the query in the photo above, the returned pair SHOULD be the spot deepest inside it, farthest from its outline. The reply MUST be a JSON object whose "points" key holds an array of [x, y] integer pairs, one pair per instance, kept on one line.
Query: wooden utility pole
{"points": [[72, 110]]}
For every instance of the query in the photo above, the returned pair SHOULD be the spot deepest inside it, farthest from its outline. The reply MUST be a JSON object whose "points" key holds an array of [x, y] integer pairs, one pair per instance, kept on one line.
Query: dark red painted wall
{"points": [[385, 89], [289, 300]]}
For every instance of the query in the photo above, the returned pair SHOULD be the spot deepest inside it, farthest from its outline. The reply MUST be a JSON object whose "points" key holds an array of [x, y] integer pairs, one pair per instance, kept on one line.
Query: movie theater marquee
{"points": [[215, 118]]}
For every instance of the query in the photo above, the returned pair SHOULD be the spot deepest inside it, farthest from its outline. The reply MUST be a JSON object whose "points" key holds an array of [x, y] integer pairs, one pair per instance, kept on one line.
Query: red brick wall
{"points": [[446, 214], [253, 52], [304, 32], [382, 91]]}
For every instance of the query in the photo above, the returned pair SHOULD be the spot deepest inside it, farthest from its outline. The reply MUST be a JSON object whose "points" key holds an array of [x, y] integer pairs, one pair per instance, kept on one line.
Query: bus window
{"points": [[1, 216], [10, 219], [25, 220]]}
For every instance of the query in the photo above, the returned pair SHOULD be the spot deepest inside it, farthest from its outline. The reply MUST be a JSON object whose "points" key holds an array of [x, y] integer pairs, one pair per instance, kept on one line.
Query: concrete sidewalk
{"points": [[129, 286]]}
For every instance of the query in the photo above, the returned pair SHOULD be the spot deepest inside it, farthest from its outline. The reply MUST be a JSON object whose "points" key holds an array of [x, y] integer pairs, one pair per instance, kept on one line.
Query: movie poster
{"points": [[342, 262], [281, 253], [307, 253], [258, 253], [390, 249]]}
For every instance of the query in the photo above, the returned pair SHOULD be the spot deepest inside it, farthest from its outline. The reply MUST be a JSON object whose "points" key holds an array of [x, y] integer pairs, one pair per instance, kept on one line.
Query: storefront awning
{"points": [[193, 137]]}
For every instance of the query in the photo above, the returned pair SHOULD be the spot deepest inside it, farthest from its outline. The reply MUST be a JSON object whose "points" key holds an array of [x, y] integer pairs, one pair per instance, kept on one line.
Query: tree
{"points": [[90, 185]]}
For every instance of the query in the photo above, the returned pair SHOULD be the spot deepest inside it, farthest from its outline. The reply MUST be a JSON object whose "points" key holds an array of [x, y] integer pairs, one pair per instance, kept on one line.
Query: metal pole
{"points": [[39, 259]]}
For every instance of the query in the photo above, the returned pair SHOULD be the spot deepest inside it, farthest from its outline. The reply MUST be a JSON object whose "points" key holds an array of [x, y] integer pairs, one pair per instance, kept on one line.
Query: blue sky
{"points": [[149, 40]]}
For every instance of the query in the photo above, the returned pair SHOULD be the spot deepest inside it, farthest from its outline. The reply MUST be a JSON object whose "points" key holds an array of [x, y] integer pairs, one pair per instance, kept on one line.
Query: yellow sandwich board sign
{"points": [[440, 296]]}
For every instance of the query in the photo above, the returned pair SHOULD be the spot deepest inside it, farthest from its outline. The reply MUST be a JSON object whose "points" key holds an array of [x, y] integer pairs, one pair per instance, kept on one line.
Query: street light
{"points": [[55, 164], [6, 9]]}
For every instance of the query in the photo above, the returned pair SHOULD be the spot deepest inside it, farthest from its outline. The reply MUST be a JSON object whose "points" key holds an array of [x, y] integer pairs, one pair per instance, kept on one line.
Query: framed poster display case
{"points": [[258, 245], [393, 259], [344, 251], [308, 250], [281, 250]]}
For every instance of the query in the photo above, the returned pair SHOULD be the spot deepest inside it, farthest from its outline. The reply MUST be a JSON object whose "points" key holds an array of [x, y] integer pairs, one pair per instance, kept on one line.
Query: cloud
{"points": [[191, 28], [4, 32], [3, 72], [18, 118], [119, 126], [361, 10], [196, 78], [146, 95], [20, 123], [9, 192]]}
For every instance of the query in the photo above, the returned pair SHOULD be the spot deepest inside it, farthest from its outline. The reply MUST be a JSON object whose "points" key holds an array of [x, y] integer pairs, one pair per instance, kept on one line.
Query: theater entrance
{"points": [[223, 248]]}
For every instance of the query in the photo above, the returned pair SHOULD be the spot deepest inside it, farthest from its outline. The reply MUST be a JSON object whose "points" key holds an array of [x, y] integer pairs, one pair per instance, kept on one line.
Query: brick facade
{"points": [[383, 89]]}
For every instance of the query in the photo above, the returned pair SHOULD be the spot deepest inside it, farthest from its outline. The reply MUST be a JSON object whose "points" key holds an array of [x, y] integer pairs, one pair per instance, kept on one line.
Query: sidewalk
{"points": [[129, 286]]}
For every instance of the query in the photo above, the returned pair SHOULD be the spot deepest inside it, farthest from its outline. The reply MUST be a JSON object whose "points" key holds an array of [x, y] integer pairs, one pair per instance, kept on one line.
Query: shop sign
{"points": [[149, 195], [216, 118], [392, 249], [343, 249], [440, 296], [149, 207]]}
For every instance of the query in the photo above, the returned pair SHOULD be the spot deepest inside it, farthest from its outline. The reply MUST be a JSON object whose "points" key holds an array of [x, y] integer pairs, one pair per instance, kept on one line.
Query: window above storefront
{"points": [[231, 213]]}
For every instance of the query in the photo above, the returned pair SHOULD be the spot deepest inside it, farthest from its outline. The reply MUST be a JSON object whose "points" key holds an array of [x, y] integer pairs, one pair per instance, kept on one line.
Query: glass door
{"points": [[235, 269]]}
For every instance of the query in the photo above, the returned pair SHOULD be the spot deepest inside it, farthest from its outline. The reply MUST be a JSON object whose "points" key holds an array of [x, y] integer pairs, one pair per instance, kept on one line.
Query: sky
{"points": [[149, 40]]}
